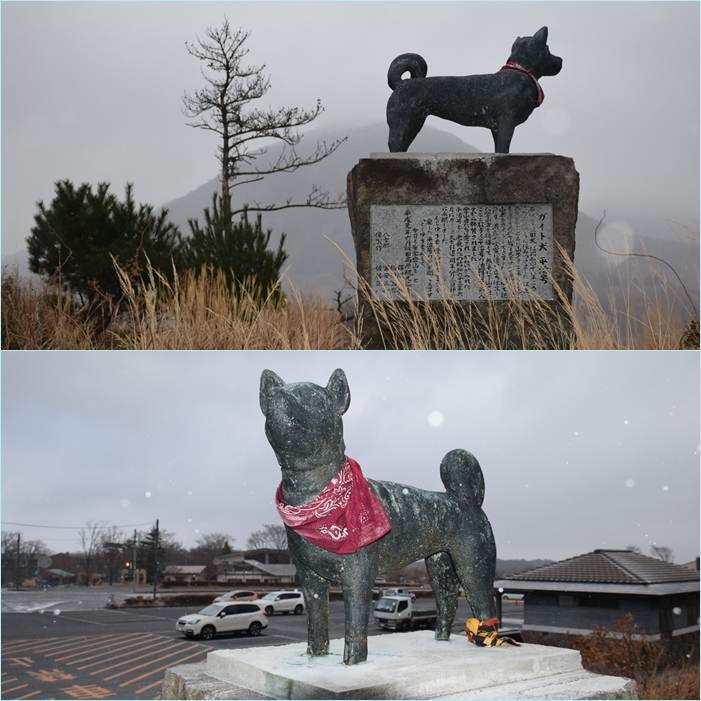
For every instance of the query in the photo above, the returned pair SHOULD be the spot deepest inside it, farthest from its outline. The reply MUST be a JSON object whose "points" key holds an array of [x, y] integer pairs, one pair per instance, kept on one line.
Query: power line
{"points": [[34, 525]]}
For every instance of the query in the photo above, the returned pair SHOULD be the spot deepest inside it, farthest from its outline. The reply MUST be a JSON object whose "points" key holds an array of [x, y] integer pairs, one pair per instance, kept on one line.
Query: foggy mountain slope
{"points": [[314, 262]]}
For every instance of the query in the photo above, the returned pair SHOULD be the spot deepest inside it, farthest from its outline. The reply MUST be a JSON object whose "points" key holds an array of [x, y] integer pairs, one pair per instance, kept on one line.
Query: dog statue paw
{"points": [[344, 529], [498, 101]]}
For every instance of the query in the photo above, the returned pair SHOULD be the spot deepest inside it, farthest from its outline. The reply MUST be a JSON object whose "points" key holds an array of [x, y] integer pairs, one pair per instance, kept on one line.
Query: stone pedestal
{"points": [[399, 666], [462, 227]]}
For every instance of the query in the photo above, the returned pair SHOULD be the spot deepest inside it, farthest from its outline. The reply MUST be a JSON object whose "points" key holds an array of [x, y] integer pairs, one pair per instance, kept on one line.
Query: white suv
{"points": [[282, 602], [224, 618]]}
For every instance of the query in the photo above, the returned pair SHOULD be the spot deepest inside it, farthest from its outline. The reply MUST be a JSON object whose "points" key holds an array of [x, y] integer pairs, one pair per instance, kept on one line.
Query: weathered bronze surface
{"points": [[498, 101], [449, 530]]}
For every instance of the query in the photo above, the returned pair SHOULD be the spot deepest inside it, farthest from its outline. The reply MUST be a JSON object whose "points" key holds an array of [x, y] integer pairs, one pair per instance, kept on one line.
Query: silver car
{"points": [[224, 618]]}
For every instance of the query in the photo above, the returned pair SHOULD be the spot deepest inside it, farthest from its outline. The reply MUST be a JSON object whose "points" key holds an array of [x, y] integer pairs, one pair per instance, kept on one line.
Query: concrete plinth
{"points": [[462, 228], [400, 666]]}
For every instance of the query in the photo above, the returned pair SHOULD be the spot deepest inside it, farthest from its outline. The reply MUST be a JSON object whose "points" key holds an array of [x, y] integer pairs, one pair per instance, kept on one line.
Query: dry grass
{"points": [[653, 322], [201, 312], [41, 317], [622, 652]]}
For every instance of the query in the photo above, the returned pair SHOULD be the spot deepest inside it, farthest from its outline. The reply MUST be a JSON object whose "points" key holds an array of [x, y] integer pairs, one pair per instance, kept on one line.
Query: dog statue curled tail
{"points": [[344, 529], [498, 101]]}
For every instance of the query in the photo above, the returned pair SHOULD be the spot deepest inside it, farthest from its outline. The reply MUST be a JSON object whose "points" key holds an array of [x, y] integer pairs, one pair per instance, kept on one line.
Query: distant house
{"points": [[184, 574], [599, 588], [263, 566], [56, 576]]}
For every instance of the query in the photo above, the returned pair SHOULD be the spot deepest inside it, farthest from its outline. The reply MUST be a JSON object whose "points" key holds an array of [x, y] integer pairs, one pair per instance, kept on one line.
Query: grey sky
{"points": [[579, 450], [92, 91]]}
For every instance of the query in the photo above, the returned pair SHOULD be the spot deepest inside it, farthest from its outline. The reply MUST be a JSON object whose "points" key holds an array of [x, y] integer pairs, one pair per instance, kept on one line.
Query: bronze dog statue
{"points": [[498, 101], [345, 529]]}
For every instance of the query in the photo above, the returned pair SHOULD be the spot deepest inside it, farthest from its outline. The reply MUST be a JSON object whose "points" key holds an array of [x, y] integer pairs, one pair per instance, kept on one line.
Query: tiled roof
{"points": [[184, 569], [610, 567]]}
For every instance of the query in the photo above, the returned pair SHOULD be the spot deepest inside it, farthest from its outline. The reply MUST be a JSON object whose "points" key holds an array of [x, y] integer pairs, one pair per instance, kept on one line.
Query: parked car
{"points": [[399, 592], [283, 602], [237, 595], [224, 618]]}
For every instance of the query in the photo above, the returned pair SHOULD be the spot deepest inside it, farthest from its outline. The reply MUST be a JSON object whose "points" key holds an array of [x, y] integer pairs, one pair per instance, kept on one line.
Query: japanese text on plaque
{"points": [[465, 252]]}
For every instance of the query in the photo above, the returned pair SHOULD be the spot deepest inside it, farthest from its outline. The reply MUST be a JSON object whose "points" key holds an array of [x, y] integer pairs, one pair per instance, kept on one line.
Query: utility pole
{"points": [[134, 570], [155, 562], [17, 576]]}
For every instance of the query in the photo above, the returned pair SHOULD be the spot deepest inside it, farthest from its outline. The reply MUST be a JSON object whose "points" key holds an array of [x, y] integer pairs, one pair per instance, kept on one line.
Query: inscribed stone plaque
{"points": [[464, 252]]}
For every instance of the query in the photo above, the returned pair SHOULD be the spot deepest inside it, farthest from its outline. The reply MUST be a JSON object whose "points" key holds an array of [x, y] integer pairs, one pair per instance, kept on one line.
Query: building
{"points": [[570, 597], [262, 566], [184, 574]]}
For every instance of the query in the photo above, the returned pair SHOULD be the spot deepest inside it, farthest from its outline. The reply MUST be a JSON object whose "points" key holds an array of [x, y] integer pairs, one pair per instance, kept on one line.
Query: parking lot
{"points": [[72, 651]]}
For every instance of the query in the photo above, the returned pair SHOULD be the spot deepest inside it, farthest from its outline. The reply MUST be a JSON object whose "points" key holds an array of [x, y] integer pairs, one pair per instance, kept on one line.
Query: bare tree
{"points": [[90, 538], [209, 545], [220, 108], [271, 536], [634, 549], [662, 552], [20, 557], [112, 553]]}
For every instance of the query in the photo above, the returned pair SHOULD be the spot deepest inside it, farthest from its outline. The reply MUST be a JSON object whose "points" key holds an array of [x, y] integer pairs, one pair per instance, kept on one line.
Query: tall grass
{"points": [[203, 312], [656, 317], [621, 651], [195, 312]]}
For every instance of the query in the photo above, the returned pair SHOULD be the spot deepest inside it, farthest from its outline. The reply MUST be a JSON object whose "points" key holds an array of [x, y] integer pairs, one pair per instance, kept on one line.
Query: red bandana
{"points": [[518, 67], [344, 517]]}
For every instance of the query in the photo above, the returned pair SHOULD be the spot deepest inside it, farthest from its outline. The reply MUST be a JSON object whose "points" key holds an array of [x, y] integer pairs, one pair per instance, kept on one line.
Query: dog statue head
{"points": [[533, 53], [303, 425]]}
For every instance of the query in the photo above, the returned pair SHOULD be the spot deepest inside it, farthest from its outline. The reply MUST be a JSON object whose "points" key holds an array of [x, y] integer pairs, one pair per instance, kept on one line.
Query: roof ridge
{"points": [[629, 572]]}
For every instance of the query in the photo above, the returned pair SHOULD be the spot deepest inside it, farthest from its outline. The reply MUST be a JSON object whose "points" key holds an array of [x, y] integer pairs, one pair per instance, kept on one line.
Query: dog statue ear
{"points": [[268, 380], [339, 391], [541, 35]]}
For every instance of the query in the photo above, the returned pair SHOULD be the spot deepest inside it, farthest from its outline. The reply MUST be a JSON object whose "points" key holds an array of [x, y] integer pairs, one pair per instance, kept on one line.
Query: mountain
{"points": [[314, 261]]}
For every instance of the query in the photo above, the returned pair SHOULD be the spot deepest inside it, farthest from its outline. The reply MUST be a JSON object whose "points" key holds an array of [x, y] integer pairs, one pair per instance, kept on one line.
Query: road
{"points": [[72, 651]]}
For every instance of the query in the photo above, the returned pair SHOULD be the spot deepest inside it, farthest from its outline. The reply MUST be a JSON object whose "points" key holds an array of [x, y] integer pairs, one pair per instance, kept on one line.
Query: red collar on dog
{"points": [[344, 517], [518, 67]]}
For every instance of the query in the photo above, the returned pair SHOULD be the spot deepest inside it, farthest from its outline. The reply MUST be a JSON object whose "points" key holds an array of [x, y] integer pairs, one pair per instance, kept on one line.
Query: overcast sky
{"points": [[579, 450], [93, 91]]}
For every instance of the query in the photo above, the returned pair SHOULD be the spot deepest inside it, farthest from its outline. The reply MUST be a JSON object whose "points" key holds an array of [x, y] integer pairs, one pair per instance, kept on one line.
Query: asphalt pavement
{"points": [[66, 645]]}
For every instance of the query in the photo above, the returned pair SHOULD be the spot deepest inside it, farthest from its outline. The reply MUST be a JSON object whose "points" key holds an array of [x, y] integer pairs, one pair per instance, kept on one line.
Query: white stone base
{"points": [[414, 666]]}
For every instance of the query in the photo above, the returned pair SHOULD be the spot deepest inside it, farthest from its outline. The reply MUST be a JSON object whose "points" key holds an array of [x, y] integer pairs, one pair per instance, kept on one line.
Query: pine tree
{"points": [[224, 108], [75, 238], [239, 249]]}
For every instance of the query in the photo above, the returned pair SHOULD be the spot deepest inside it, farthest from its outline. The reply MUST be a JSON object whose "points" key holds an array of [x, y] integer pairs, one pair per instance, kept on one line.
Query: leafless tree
{"points": [[20, 557], [209, 546], [662, 552], [220, 108], [271, 536], [634, 549], [112, 552], [90, 538]]}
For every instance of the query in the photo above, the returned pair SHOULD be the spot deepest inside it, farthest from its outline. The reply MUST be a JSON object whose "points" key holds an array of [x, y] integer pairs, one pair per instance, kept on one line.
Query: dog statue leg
{"points": [[475, 567], [316, 598], [403, 129], [446, 587], [504, 134], [357, 594]]}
